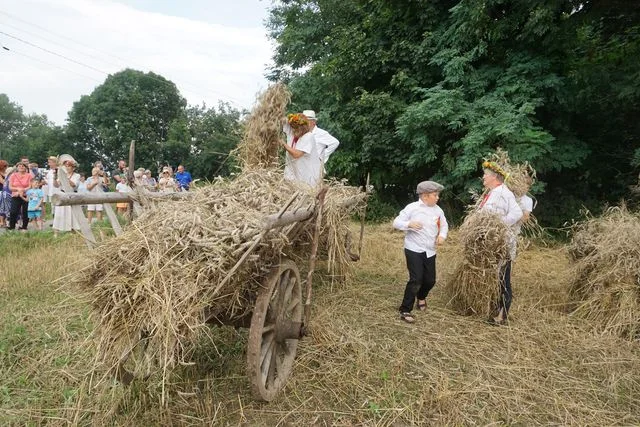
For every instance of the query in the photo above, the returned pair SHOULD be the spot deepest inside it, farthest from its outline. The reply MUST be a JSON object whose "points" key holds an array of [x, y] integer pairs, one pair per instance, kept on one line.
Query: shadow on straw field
{"points": [[360, 365]]}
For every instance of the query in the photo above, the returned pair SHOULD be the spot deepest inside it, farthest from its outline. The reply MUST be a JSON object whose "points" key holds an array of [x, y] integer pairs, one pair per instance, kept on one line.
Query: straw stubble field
{"points": [[360, 366]]}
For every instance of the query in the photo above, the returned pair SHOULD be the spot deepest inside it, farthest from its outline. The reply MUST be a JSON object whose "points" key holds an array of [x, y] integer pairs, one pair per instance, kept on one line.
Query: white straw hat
{"points": [[311, 115]]}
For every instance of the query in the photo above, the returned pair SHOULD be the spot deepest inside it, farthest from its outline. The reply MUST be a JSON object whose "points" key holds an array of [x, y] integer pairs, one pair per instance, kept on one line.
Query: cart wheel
{"points": [[275, 330], [135, 362]]}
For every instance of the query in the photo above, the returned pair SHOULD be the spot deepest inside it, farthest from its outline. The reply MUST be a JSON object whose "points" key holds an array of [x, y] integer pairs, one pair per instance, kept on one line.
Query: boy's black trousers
{"points": [[422, 277]]}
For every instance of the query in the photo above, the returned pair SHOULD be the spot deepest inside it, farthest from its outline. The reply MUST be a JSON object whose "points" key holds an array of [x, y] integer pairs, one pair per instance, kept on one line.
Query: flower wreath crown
{"points": [[297, 119], [495, 167]]}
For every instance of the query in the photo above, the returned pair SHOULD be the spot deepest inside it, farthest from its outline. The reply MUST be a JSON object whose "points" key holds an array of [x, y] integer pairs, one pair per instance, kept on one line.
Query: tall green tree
{"points": [[129, 105], [40, 139], [12, 121], [203, 140], [32, 135], [421, 88], [215, 133]]}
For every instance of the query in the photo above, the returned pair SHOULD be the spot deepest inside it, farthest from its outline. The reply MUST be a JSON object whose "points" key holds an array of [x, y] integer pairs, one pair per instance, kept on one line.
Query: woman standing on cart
{"points": [[303, 162]]}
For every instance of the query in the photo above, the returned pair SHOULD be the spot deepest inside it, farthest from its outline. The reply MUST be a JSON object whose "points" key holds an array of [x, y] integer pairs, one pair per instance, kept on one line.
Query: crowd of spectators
{"points": [[26, 190]]}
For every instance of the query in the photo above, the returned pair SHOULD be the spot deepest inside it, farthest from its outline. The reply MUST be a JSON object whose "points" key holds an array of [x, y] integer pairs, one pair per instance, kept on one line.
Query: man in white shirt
{"points": [[526, 204], [426, 228], [326, 142], [500, 200]]}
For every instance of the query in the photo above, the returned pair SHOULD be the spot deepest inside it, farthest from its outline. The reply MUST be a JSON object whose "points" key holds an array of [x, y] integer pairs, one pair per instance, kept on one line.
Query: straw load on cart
{"points": [[227, 253]]}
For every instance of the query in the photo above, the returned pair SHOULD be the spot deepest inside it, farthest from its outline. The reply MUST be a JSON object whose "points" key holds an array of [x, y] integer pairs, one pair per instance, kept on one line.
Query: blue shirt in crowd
{"points": [[183, 179], [34, 195]]}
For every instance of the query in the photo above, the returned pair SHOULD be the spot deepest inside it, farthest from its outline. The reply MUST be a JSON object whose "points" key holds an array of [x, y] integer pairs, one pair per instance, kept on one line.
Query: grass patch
{"points": [[16, 243]]}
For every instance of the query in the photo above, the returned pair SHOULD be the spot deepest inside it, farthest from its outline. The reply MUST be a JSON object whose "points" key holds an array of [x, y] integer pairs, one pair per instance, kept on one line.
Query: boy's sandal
{"points": [[407, 317], [421, 306]]}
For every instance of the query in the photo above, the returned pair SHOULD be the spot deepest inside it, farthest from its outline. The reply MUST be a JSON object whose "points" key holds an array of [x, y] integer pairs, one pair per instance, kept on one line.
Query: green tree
{"points": [[214, 133], [40, 139], [30, 135], [12, 122], [203, 140], [129, 105], [419, 89]]}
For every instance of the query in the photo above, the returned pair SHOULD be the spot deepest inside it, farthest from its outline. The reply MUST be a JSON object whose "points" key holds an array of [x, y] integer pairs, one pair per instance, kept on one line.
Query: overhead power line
{"points": [[13, 51], [124, 60], [22, 30], [166, 82], [53, 53]]}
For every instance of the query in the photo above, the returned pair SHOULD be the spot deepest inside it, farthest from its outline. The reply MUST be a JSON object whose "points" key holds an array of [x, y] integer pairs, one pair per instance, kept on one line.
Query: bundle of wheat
{"points": [[263, 129], [518, 177], [606, 282], [474, 287]]}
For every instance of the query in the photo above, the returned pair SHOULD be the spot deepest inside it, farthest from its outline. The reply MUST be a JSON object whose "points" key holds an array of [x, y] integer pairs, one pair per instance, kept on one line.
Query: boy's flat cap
{"points": [[429, 187]]}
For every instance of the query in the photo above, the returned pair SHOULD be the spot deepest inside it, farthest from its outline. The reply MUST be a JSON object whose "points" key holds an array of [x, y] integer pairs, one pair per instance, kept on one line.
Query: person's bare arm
{"points": [[296, 154]]}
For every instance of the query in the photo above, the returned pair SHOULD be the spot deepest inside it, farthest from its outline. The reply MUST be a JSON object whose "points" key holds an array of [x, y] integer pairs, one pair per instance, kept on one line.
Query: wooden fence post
{"points": [[113, 218], [134, 207]]}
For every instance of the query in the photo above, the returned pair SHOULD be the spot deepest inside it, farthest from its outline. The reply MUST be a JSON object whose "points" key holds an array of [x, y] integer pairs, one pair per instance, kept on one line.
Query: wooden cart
{"points": [[281, 314]]}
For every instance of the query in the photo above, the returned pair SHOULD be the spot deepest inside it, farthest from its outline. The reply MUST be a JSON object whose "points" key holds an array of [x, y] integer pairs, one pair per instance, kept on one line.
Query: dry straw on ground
{"points": [[362, 366], [606, 285]]}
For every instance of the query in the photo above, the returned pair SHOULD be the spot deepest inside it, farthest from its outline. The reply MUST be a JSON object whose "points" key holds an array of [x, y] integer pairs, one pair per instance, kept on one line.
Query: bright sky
{"points": [[211, 49]]}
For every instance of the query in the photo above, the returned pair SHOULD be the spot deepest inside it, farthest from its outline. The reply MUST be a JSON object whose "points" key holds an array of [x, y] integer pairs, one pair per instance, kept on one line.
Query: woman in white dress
{"points": [[303, 162], [63, 219]]}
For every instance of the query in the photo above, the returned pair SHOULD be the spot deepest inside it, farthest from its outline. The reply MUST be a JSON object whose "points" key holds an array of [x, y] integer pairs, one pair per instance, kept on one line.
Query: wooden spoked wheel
{"points": [[275, 331]]}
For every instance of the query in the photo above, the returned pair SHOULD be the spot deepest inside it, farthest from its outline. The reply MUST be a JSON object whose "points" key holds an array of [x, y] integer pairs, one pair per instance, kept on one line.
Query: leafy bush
{"points": [[379, 210]]}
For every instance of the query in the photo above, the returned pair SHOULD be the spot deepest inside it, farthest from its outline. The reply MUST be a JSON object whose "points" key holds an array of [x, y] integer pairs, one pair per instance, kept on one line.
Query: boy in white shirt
{"points": [[122, 187], [426, 228]]}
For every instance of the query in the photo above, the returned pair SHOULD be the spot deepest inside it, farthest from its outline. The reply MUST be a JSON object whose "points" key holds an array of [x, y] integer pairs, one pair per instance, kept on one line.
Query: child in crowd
{"points": [[82, 184], [123, 187], [35, 199], [94, 185], [426, 227]]}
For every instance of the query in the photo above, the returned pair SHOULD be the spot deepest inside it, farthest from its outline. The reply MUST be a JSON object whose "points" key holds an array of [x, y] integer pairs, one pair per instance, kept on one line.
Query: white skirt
{"points": [[63, 219]]}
